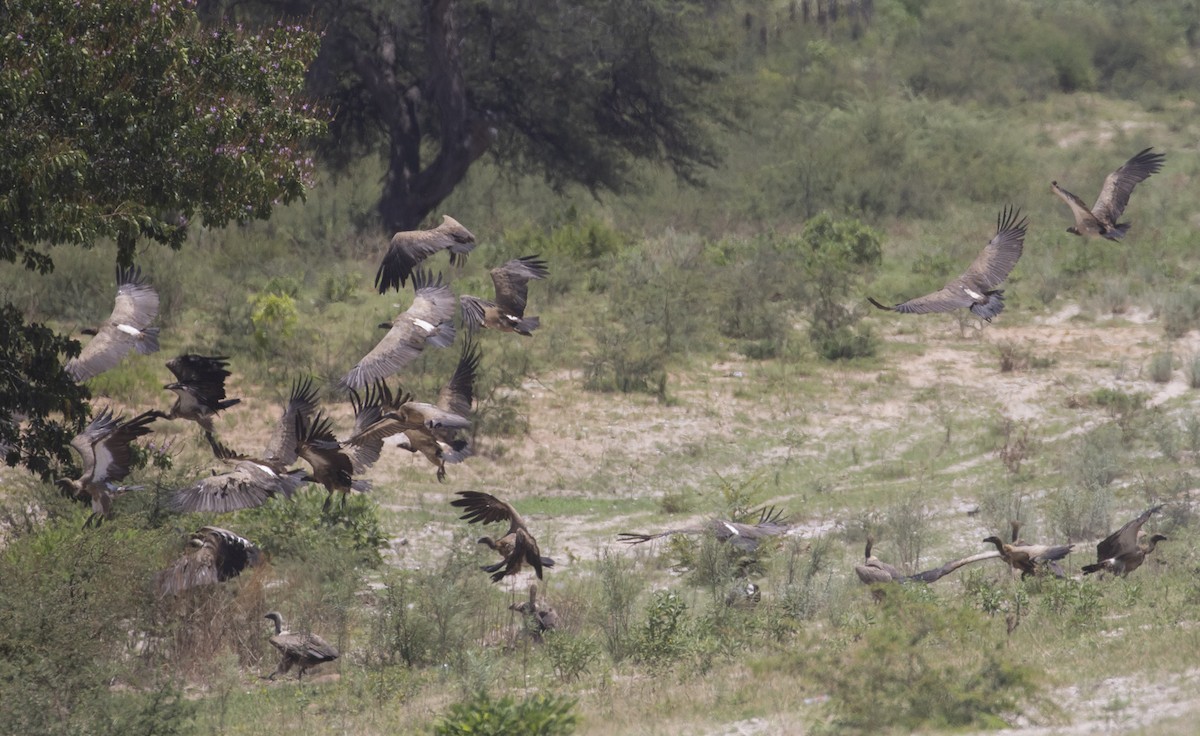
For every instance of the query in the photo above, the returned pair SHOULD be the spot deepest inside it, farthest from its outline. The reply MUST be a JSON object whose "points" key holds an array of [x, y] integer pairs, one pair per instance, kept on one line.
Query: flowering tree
{"points": [[122, 120]]}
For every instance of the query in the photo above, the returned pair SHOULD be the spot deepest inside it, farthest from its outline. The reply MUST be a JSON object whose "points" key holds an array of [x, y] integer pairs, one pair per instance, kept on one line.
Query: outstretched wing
{"points": [[407, 250], [486, 508], [1000, 255], [248, 485], [1118, 185], [458, 394], [283, 445], [937, 573], [512, 281], [113, 455], [942, 300], [1124, 540]]}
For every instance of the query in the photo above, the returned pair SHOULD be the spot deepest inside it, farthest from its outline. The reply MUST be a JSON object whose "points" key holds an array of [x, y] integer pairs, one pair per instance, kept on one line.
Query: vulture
{"points": [[875, 570], [332, 466], [298, 650], [199, 388], [253, 481], [214, 555], [1030, 559], [433, 429], [744, 536], [1101, 219], [128, 328], [429, 319], [507, 313], [976, 287], [1120, 552], [409, 248], [103, 447], [748, 595], [517, 546], [540, 618]]}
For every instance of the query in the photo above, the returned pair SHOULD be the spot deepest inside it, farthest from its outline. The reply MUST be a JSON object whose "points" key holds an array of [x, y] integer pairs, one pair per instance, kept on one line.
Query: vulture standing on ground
{"points": [[875, 570], [507, 313], [103, 446], [199, 388], [128, 328], [253, 481], [1101, 219], [429, 319], [1120, 553], [410, 247], [976, 287], [298, 650], [540, 617], [746, 537], [517, 546], [1028, 558], [214, 555]]}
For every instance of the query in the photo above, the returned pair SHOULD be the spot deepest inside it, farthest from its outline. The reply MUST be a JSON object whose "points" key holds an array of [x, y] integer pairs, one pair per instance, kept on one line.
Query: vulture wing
{"points": [[1118, 185], [512, 281], [409, 248], [302, 402]]}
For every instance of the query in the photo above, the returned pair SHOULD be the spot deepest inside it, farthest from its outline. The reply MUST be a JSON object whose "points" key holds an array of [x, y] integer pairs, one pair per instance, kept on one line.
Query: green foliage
{"points": [[33, 383], [538, 715], [1161, 366], [300, 530], [176, 120], [664, 635], [924, 664], [835, 255], [274, 317], [619, 591], [571, 655]]}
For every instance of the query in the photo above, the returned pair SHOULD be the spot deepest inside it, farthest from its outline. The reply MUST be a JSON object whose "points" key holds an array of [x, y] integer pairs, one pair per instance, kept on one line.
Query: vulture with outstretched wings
{"points": [[517, 546], [410, 247], [1120, 552], [199, 388], [507, 313], [976, 288], [744, 536], [128, 328], [213, 555], [1101, 219], [103, 448], [429, 319]]}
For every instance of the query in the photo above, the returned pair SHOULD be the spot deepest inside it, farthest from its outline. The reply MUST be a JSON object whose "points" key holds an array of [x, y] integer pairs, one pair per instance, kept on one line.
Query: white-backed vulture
{"points": [[1101, 219], [518, 547], [127, 328], [103, 448], [408, 248], [298, 650], [507, 312]]}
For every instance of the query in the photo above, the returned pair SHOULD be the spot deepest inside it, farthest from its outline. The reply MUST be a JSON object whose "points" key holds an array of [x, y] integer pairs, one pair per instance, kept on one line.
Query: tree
{"points": [[122, 120], [575, 91]]}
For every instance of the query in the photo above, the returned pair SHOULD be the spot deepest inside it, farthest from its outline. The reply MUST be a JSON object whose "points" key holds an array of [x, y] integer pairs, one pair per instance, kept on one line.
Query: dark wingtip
{"points": [[877, 305]]}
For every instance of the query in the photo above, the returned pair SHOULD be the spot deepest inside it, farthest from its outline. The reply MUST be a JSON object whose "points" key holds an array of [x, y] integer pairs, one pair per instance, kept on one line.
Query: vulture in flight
{"points": [[332, 466], [410, 247], [214, 555], [199, 388], [298, 650], [976, 287], [253, 481], [517, 546], [429, 319], [1101, 219], [1120, 552], [507, 313], [103, 447], [128, 328], [744, 536]]}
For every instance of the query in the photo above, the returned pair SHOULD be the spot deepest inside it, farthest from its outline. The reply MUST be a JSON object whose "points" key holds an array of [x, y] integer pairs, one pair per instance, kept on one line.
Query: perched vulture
{"points": [[976, 287], [409, 248], [103, 447], [429, 319], [128, 328], [214, 555], [1101, 219], [298, 650], [1120, 552], [744, 536], [199, 388], [517, 546], [507, 313], [253, 481]]}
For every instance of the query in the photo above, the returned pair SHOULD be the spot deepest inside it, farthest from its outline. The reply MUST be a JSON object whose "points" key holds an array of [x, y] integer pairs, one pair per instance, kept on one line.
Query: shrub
{"points": [[1160, 366], [538, 715], [1192, 369], [663, 636]]}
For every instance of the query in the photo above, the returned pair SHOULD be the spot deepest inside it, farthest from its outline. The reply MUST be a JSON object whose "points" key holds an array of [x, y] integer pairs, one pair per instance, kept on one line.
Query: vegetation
{"points": [[702, 350]]}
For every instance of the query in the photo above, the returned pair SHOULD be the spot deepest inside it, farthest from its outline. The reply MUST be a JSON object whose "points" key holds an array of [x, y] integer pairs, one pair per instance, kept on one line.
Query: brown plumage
{"points": [[103, 448], [539, 617], [127, 328], [976, 287], [253, 481], [434, 431], [875, 570], [1031, 559], [199, 388], [744, 536], [1101, 219], [214, 555], [298, 650], [1120, 553], [507, 313], [518, 547], [410, 247], [429, 319]]}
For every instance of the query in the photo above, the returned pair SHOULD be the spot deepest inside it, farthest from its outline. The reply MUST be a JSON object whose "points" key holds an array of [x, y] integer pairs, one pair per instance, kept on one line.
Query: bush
{"points": [[663, 636], [539, 715], [1161, 366]]}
